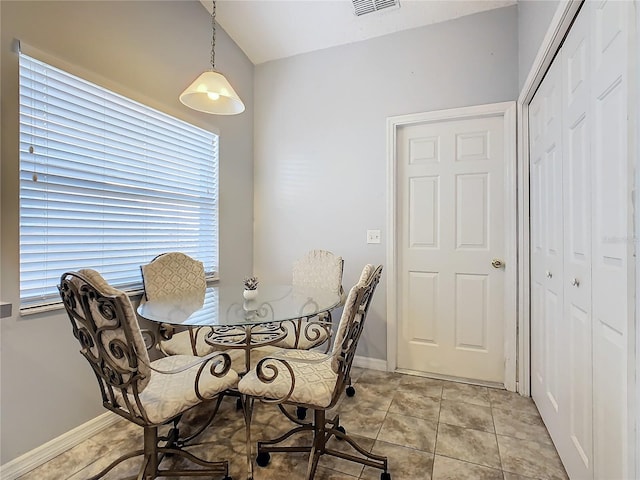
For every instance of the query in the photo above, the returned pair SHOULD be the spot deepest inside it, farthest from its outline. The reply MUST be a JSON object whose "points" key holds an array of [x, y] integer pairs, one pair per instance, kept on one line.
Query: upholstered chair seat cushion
{"points": [[315, 379], [180, 344], [167, 395]]}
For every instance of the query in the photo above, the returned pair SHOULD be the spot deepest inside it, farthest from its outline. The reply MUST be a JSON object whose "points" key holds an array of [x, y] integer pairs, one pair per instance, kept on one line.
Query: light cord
{"points": [[213, 36]]}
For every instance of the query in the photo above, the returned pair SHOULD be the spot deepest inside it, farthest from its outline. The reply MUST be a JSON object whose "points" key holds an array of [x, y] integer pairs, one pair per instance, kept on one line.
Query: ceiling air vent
{"points": [[362, 7]]}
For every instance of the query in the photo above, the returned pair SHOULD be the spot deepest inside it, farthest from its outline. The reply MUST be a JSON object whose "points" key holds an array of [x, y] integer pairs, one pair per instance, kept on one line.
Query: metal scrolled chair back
{"points": [[112, 344]]}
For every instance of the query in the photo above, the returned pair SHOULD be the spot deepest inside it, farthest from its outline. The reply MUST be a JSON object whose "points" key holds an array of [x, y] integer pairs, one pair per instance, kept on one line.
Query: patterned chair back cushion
{"points": [[318, 268], [106, 326], [353, 315], [173, 274]]}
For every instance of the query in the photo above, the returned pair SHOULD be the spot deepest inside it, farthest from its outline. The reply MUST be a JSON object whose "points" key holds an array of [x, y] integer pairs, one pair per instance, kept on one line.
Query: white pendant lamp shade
{"points": [[212, 93]]}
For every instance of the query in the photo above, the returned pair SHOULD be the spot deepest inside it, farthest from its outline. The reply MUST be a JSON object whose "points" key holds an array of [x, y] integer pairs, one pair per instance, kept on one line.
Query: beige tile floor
{"points": [[429, 429]]}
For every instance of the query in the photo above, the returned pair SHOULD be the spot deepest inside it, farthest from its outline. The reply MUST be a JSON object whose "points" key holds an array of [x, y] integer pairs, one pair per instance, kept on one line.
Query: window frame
{"points": [[133, 286]]}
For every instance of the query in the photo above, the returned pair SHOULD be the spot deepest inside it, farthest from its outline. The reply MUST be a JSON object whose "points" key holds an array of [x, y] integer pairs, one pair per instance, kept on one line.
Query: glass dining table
{"points": [[233, 322]]}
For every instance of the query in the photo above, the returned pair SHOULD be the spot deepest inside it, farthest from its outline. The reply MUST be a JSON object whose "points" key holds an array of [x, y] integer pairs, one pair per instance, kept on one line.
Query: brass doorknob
{"points": [[497, 263]]}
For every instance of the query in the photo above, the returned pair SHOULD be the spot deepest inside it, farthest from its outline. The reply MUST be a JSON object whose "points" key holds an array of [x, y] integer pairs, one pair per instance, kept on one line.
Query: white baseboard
{"points": [[371, 363], [42, 454]]}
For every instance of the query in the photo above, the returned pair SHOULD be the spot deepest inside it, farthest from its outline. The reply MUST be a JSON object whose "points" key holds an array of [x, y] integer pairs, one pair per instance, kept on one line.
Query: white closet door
{"points": [[577, 445], [582, 245], [547, 335], [612, 237]]}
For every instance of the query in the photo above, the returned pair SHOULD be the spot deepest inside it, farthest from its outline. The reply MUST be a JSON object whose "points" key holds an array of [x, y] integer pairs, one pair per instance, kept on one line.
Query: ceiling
{"points": [[271, 29]]}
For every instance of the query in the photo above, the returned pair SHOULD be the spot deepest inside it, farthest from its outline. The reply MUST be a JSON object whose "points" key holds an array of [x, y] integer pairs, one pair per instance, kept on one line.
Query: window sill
{"points": [[134, 295]]}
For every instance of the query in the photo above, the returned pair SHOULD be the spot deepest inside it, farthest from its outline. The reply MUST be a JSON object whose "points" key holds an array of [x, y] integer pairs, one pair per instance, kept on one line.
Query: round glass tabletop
{"points": [[222, 305]]}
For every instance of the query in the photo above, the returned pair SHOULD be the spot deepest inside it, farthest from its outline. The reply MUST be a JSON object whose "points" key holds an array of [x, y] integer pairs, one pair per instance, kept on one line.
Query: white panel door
{"points": [[452, 215], [612, 237], [548, 353], [576, 447]]}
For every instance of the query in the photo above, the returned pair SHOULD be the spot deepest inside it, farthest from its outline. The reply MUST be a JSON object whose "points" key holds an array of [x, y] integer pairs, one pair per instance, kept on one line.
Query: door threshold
{"points": [[450, 378]]}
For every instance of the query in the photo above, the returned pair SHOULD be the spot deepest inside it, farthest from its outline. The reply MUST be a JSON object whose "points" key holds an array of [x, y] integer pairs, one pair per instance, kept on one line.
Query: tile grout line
{"points": [[435, 442], [495, 431]]}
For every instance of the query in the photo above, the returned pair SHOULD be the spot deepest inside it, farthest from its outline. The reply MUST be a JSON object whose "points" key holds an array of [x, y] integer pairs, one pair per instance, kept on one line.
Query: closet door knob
{"points": [[549, 274], [575, 282]]}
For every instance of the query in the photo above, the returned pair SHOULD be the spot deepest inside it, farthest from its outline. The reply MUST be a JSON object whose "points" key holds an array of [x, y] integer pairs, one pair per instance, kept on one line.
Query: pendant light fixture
{"points": [[211, 92]]}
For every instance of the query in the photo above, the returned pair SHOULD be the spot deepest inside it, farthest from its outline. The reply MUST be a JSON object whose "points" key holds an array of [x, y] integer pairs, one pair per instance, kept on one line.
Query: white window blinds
{"points": [[107, 183]]}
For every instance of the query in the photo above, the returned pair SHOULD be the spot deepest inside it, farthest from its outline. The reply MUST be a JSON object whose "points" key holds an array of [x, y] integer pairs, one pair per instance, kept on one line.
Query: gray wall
{"points": [[320, 154], [320, 137], [534, 17], [149, 51]]}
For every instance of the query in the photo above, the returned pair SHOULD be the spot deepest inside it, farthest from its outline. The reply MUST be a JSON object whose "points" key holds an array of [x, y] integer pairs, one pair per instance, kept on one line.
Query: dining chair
{"points": [[152, 394], [175, 274], [314, 380], [315, 269]]}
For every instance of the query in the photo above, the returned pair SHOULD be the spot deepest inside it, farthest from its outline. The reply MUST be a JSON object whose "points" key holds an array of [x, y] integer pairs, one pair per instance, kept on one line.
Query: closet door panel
{"points": [[547, 250], [577, 451], [554, 324], [612, 239], [537, 234]]}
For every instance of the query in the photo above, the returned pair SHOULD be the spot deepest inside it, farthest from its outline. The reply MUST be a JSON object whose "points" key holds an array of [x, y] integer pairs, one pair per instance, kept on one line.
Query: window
{"points": [[107, 183]]}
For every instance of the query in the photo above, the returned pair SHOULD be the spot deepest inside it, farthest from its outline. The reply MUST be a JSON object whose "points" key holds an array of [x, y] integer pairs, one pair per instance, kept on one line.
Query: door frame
{"points": [[635, 396], [507, 110]]}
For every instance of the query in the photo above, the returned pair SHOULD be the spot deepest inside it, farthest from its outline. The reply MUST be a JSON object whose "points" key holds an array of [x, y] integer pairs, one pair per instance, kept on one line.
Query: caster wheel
{"points": [[301, 413], [263, 459], [351, 391], [341, 430], [238, 404], [385, 476]]}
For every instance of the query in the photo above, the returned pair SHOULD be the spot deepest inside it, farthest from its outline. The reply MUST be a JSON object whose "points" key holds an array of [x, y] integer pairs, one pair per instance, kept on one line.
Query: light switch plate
{"points": [[373, 236]]}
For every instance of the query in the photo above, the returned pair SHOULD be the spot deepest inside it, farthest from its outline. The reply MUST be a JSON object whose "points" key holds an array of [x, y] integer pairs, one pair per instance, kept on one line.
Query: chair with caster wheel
{"points": [[172, 275], [153, 395], [177, 275], [317, 268], [315, 381]]}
